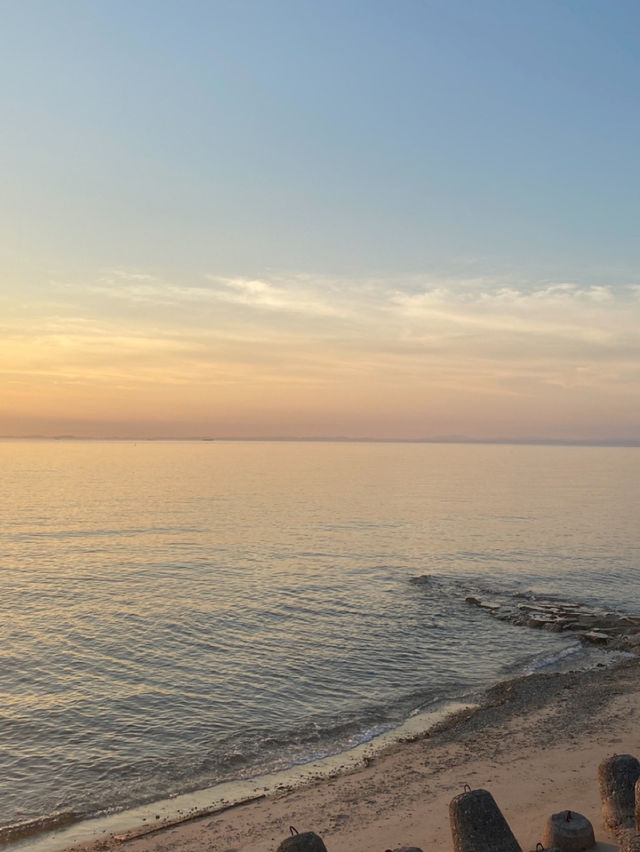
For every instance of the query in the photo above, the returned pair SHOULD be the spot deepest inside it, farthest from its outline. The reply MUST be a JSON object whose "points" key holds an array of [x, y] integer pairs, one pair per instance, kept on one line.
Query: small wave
{"points": [[370, 734], [40, 825], [554, 659]]}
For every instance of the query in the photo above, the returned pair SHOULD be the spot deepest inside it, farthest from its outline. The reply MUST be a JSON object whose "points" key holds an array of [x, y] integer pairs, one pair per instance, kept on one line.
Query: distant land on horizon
{"points": [[439, 439]]}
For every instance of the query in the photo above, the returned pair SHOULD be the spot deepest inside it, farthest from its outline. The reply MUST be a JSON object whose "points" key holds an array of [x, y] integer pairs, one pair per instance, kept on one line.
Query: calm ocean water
{"points": [[179, 613]]}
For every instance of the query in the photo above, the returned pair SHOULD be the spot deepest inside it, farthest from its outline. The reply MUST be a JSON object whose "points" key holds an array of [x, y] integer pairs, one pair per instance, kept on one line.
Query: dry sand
{"points": [[535, 746]]}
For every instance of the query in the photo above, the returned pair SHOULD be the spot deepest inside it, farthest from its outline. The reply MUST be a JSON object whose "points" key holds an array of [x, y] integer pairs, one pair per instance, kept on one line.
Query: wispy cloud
{"points": [[375, 340], [295, 295], [558, 312]]}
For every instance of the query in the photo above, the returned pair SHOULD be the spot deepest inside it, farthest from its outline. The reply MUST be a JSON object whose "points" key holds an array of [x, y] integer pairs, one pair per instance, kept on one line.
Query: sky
{"points": [[280, 218]]}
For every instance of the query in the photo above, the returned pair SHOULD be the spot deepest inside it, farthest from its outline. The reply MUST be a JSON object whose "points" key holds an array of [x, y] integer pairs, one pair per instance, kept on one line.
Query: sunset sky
{"points": [[355, 218]]}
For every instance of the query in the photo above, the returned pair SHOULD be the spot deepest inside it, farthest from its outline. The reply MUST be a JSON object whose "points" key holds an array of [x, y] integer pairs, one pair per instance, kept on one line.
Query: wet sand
{"points": [[535, 744]]}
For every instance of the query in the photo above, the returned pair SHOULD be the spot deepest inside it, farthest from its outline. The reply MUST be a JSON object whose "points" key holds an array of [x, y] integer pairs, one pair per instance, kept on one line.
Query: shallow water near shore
{"points": [[179, 615], [158, 816]]}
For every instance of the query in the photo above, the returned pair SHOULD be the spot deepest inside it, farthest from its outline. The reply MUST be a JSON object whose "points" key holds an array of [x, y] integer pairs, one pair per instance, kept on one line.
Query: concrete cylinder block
{"points": [[569, 831]]}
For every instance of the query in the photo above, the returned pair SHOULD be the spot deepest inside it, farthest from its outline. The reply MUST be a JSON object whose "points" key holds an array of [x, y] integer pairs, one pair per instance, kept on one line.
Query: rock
{"points": [[596, 636], [556, 626], [405, 849], [540, 620], [477, 824], [617, 776], [307, 841], [569, 831]]}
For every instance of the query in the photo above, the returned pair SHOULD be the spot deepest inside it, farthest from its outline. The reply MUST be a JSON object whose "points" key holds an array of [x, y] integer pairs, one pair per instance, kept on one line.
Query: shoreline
{"points": [[535, 743], [591, 649], [70, 830]]}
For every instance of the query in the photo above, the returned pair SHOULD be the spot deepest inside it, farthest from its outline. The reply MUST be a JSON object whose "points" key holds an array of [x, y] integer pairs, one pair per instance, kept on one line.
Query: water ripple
{"points": [[176, 614]]}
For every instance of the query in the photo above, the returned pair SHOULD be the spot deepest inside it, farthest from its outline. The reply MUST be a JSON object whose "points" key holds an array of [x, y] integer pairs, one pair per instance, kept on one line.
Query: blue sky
{"points": [[366, 154]]}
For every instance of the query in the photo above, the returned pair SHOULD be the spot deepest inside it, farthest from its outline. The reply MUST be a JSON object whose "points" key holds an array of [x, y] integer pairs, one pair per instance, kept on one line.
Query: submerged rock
{"points": [[422, 580]]}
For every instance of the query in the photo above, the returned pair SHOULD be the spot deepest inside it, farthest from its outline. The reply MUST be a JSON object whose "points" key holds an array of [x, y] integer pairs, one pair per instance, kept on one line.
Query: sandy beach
{"points": [[535, 745]]}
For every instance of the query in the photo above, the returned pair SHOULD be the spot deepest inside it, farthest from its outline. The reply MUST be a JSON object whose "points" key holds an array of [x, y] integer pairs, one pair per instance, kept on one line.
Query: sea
{"points": [[181, 615]]}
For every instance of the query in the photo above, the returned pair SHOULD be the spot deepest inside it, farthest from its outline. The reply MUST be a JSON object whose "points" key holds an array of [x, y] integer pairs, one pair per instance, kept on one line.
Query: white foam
{"points": [[547, 662], [580, 658]]}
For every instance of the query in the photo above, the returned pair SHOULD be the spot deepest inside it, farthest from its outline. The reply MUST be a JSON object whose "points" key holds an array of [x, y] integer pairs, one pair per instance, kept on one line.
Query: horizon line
{"points": [[440, 439]]}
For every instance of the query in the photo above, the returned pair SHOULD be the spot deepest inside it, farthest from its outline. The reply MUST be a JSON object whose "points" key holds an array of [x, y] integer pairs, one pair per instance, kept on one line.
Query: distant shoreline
{"points": [[525, 442]]}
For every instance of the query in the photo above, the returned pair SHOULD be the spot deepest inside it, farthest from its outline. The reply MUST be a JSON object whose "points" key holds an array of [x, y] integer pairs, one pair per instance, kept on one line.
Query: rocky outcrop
{"points": [[592, 625]]}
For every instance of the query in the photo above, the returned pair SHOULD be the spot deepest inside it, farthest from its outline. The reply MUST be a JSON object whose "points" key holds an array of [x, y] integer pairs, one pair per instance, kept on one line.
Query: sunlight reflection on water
{"points": [[178, 613]]}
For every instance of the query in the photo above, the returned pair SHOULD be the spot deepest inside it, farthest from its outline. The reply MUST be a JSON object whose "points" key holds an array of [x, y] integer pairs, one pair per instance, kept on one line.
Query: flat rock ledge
{"points": [[611, 629]]}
